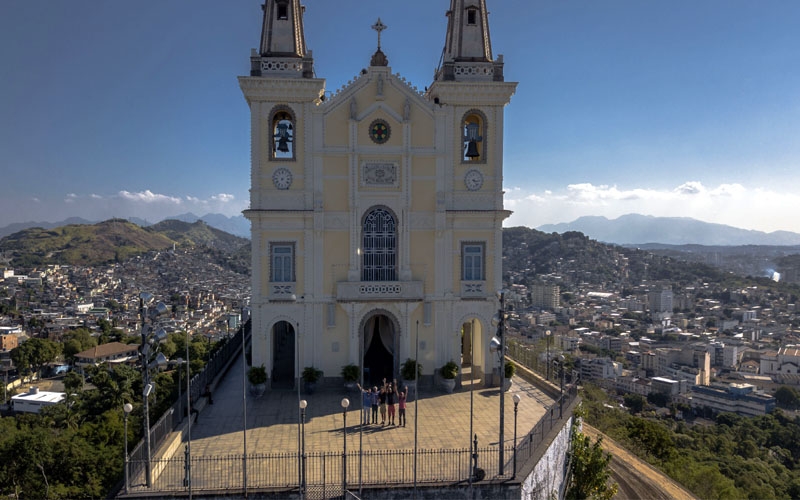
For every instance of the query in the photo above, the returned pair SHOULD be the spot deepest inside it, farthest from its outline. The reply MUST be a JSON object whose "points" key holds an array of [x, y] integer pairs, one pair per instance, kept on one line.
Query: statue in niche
{"points": [[407, 110], [353, 109], [380, 86]]}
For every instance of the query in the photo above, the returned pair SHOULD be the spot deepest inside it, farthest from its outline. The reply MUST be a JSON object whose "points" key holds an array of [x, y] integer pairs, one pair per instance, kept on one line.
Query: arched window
{"points": [[282, 140], [474, 132], [379, 246]]}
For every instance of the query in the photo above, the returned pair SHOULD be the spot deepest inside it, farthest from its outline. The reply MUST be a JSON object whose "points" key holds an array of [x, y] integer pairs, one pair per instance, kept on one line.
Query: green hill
{"points": [[114, 240]]}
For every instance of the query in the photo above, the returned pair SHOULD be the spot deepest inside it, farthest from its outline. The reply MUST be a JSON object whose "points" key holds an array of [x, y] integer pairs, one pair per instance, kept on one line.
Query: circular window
{"points": [[379, 131]]}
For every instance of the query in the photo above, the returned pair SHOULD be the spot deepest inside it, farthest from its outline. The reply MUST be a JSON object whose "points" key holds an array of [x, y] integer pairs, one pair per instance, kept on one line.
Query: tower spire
{"points": [[282, 51], [467, 52]]}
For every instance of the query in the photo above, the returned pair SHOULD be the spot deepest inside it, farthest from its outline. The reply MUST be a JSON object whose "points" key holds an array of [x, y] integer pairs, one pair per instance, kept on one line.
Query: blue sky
{"points": [[679, 108]]}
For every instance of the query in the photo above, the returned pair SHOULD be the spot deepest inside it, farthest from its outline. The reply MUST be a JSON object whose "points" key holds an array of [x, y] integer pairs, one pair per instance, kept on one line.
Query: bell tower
{"points": [[283, 43], [282, 95], [468, 48]]}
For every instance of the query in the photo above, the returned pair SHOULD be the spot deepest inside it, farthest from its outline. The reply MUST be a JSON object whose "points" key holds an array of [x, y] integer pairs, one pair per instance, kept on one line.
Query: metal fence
{"points": [[174, 415], [324, 471]]}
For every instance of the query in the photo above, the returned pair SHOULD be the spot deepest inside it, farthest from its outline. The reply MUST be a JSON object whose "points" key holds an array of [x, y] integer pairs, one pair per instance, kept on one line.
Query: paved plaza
{"points": [[273, 431], [443, 420]]}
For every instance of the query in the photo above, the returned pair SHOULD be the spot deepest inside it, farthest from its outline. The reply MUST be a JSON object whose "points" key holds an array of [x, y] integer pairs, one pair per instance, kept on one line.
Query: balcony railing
{"points": [[379, 290]]}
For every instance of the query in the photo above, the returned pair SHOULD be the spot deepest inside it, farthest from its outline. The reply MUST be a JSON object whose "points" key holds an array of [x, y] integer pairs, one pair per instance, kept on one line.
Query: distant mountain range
{"points": [[634, 229], [237, 226]]}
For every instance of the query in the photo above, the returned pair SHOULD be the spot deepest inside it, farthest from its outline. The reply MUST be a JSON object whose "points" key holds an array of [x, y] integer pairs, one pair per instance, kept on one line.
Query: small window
{"points": [[472, 262], [283, 11], [472, 17], [282, 262]]}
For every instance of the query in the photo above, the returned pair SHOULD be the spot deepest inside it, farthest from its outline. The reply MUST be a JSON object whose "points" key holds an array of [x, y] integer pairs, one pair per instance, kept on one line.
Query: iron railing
{"points": [[174, 415], [367, 468]]}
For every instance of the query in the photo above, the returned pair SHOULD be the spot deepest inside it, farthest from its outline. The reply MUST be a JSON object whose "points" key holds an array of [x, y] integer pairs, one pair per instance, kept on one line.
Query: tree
{"points": [[787, 397], [590, 473], [34, 354], [634, 401], [73, 383]]}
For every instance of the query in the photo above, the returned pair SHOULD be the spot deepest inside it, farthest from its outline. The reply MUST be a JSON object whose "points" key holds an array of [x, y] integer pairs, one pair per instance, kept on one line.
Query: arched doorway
{"points": [[283, 355], [380, 348]]}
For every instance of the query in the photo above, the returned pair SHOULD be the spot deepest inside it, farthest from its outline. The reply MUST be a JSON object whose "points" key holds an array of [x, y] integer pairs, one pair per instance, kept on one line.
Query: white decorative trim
{"points": [[281, 291], [474, 71], [473, 289], [379, 174], [379, 290]]}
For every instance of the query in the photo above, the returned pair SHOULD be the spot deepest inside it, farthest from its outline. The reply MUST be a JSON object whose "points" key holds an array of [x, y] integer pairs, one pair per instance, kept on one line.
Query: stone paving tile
{"points": [[272, 420]]}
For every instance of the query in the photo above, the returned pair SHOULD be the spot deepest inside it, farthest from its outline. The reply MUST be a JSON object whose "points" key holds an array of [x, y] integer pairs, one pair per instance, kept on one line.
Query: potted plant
{"points": [[409, 375], [257, 376], [509, 370], [350, 374], [311, 376], [448, 373]]}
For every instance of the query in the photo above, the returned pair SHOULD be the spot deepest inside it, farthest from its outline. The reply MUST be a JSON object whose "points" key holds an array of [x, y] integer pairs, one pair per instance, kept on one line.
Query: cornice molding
{"points": [[472, 93], [257, 88]]}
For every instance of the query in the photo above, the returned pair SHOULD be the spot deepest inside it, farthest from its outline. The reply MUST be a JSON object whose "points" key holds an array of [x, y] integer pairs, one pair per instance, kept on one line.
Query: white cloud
{"points": [[148, 196], [764, 209], [223, 198], [148, 205]]}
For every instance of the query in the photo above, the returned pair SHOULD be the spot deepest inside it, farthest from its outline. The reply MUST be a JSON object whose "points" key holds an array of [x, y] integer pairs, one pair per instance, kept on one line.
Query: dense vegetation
{"points": [[75, 449], [736, 457]]}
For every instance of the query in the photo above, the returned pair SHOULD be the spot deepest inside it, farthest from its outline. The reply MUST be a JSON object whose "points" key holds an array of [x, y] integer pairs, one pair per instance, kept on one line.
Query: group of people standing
{"points": [[389, 400]]}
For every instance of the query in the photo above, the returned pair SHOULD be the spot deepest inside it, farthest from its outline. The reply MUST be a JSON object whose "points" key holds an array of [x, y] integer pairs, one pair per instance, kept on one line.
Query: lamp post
{"points": [[345, 404], [244, 411], [516, 399], [416, 404], [561, 399], [547, 335], [126, 408], [500, 346], [189, 419], [471, 385], [150, 359], [303, 404]]}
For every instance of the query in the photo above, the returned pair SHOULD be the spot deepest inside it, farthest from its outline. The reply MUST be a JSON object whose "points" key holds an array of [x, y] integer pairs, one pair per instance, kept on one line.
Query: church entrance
{"points": [[283, 355], [379, 351]]}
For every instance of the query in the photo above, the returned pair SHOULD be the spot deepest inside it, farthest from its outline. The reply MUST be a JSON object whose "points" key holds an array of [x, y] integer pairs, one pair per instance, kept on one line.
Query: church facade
{"points": [[376, 212]]}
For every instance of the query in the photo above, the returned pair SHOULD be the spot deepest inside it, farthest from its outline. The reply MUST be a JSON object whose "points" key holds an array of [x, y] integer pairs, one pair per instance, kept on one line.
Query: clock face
{"points": [[379, 131], [282, 178], [473, 180]]}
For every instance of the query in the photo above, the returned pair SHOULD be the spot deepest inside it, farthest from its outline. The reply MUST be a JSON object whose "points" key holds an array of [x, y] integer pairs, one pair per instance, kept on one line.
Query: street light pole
{"points": [[147, 349], [126, 408], [516, 399], [416, 404], [502, 334], [471, 385], [561, 399], [303, 404], [189, 420], [244, 411], [547, 368], [345, 404]]}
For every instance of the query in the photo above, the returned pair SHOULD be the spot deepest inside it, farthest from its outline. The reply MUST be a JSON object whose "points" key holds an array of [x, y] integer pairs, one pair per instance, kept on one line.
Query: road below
{"points": [[636, 478]]}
